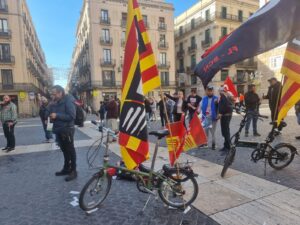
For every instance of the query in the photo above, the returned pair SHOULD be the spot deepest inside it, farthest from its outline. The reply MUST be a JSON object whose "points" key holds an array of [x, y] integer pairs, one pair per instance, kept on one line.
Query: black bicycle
{"points": [[278, 157]]}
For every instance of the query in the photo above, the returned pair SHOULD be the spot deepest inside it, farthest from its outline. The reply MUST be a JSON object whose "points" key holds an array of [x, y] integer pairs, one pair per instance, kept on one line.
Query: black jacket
{"points": [[184, 104], [225, 105], [273, 95], [252, 101], [44, 113]]}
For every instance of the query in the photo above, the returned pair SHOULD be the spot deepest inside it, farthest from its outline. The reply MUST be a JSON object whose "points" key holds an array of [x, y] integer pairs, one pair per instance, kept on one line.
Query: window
{"points": [[193, 23], [276, 62], [104, 15], [163, 58], [107, 55], [181, 65], [224, 75], [240, 75], [181, 46], [5, 52], [224, 12], [193, 80], [207, 36], [161, 20], [124, 19], [105, 35], [123, 37], [162, 39], [240, 13], [145, 19], [162, 23], [3, 25], [193, 42], [207, 14], [7, 79], [223, 31], [193, 61], [108, 77], [180, 30], [2, 4], [164, 76]]}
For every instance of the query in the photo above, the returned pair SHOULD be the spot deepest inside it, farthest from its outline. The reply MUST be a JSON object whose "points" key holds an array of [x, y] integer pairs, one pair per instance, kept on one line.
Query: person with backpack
{"points": [[63, 115], [80, 114], [43, 113], [225, 107]]}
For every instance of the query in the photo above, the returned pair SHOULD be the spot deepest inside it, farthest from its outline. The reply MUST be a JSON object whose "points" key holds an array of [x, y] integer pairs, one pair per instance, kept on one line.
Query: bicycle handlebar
{"points": [[104, 129], [243, 110]]}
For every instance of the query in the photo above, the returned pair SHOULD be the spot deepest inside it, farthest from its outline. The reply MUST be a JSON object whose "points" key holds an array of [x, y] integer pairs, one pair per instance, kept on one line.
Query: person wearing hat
{"points": [[209, 111], [252, 102], [225, 107], [273, 96]]}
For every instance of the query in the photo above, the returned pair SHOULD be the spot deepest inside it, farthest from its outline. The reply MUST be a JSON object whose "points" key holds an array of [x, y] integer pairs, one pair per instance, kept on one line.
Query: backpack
{"points": [[80, 115]]}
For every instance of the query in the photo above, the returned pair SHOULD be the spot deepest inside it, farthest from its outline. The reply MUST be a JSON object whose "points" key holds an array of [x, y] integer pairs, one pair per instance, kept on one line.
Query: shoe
{"points": [[63, 172], [256, 134], [3, 149], [9, 150], [72, 176], [46, 141], [246, 134], [213, 146], [298, 137]]}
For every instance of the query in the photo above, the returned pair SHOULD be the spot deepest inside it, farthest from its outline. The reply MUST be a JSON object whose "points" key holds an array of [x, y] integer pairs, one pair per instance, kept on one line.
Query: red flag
{"points": [[229, 87]]}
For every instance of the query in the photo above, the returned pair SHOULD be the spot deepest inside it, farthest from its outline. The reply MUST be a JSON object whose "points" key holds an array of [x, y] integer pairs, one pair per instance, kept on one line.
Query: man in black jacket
{"points": [[252, 102], [297, 111], [273, 95], [63, 114], [226, 104]]}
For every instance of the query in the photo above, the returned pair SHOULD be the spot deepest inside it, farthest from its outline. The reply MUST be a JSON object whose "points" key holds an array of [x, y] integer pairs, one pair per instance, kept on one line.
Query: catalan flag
{"points": [[291, 70], [140, 75]]}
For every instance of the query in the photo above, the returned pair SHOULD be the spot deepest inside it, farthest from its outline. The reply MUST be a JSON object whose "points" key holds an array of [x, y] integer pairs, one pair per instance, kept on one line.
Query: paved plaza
{"points": [[31, 194]]}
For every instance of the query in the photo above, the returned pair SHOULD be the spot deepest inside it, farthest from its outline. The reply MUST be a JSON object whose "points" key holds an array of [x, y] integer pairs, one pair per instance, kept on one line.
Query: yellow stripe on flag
{"points": [[129, 162], [147, 62], [288, 105], [145, 38], [151, 84], [291, 74], [288, 83], [293, 57]]}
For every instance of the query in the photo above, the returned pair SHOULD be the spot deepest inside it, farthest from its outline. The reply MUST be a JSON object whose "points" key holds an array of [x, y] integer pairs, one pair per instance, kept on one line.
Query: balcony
{"points": [[7, 60], [5, 33], [193, 80], [167, 83], [190, 69], [4, 8], [109, 83], [7, 86], [180, 53], [163, 65], [163, 45], [108, 62], [206, 43], [192, 48], [181, 70], [123, 23], [230, 17], [105, 20], [162, 26], [106, 41], [249, 64]]}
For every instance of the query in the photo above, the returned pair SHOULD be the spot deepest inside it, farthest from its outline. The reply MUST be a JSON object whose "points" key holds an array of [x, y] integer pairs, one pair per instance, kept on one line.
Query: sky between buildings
{"points": [[55, 22]]}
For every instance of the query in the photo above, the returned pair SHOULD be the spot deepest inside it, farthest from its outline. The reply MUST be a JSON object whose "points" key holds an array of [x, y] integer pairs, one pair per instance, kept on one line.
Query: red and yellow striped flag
{"points": [[291, 87], [140, 75]]}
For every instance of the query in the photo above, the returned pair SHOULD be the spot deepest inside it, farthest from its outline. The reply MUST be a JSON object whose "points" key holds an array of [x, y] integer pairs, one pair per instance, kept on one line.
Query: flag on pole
{"points": [[140, 75], [272, 25], [184, 140], [229, 87], [291, 87]]}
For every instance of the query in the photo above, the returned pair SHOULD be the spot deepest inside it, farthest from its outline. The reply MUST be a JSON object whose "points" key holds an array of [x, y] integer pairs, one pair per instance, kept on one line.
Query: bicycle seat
{"points": [[167, 168], [144, 168], [159, 133]]}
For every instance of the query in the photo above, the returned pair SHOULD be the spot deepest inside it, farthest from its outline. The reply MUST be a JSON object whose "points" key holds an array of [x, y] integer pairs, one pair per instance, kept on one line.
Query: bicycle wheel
{"points": [[179, 191], [95, 191], [281, 156], [228, 161]]}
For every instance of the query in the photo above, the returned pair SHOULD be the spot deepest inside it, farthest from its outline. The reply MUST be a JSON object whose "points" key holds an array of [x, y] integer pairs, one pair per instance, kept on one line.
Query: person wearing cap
{"points": [[273, 96], [193, 102], [209, 111], [225, 107], [252, 102]]}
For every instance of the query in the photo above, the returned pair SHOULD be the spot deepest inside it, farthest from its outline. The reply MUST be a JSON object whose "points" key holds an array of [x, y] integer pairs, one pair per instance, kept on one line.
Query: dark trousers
{"points": [[252, 116], [48, 134], [9, 135], [163, 119], [66, 143], [177, 117], [225, 129]]}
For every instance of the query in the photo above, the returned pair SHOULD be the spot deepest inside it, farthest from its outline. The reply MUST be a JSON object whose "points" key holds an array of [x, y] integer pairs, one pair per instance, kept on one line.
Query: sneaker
{"points": [[256, 134], [298, 137], [9, 150], [72, 176], [3, 149], [213, 146], [63, 172], [246, 134]]}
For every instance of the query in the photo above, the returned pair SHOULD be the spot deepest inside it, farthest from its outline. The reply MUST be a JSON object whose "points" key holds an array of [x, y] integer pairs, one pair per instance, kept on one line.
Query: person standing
{"points": [[63, 115], [273, 96], [193, 102], [102, 111], [153, 106], [241, 100], [8, 118], [148, 110], [209, 111], [180, 106], [252, 102], [226, 103], [44, 112], [297, 110], [112, 116], [162, 112]]}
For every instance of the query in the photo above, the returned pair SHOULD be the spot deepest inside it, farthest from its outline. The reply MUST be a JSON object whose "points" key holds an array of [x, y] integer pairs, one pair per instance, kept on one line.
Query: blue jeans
{"points": [[48, 134], [252, 116]]}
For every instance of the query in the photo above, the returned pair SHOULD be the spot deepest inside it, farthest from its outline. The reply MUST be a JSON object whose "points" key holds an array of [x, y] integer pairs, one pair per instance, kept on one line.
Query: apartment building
{"points": [[23, 69], [97, 60], [201, 26]]}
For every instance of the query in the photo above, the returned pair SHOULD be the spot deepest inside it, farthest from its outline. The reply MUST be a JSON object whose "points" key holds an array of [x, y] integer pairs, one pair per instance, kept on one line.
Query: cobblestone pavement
{"points": [[289, 176], [31, 195]]}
